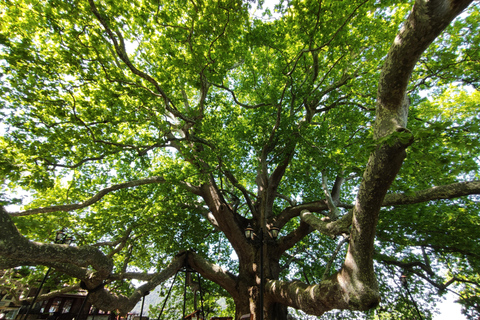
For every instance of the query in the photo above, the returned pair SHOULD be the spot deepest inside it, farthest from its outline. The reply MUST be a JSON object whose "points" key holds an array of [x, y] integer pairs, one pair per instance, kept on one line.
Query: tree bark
{"points": [[354, 286]]}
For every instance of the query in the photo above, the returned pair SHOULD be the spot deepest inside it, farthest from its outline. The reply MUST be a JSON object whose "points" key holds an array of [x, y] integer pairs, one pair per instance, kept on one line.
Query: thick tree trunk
{"points": [[275, 311], [249, 284], [353, 287], [242, 305]]}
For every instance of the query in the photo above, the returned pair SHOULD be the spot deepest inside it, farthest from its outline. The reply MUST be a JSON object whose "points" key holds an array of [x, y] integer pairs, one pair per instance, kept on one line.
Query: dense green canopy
{"points": [[148, 128]]}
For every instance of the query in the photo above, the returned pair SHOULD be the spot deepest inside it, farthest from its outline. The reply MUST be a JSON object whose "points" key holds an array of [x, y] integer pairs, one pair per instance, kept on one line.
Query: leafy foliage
{"points": [[100, 93]]}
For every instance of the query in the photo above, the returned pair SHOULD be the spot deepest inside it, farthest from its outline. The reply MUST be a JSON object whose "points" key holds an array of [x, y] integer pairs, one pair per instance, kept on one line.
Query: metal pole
{"points": [[262, 278], [185, 294], [83, 306], [141, 309], [414, 304], [201, 296], [168, 295], [37, 293]]}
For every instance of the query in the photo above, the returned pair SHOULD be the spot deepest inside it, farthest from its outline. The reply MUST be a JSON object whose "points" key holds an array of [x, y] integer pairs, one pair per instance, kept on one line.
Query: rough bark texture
{"points": [[436, 193], [354, 286], [427, 20], [325, 226]]}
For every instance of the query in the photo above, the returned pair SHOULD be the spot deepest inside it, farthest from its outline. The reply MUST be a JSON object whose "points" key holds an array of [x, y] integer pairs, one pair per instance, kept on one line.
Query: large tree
{"points": [[159, 131]]}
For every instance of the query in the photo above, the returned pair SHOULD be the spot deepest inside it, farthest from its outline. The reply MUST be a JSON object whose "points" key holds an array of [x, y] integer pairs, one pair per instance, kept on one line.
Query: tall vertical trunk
{"points": [[275, 311], [249, 305], [249, 286]]}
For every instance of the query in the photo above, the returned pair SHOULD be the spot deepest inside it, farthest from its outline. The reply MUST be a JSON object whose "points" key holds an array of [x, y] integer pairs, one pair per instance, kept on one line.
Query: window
{"points": [[67, 306], [55, 305]]}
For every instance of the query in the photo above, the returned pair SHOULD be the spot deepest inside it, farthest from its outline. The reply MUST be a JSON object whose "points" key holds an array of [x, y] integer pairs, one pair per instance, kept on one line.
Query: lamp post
{"points": [[60, 238], [249, 234], [404, 281]]}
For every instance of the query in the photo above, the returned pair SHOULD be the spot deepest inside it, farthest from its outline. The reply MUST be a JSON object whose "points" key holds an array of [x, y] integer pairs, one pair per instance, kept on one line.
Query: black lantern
{"points": [[249, 232], [68, 240], [274, 231], [60, 235], [62, 238]]}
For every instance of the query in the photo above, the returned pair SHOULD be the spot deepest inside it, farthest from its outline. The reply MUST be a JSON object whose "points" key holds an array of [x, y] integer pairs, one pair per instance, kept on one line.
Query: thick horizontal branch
{"points": [[449, 191], [15, 247], [313, 299], [92, 200], [214, 273], [316, 299], [294, 211], [71, 270], [290, 240], [106, 300]]}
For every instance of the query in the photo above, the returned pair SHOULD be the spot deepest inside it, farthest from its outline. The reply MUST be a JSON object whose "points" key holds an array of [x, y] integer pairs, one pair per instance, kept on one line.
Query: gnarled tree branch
{"points": [[99, 195], [15, 247], [449, 191], [326, 226]]}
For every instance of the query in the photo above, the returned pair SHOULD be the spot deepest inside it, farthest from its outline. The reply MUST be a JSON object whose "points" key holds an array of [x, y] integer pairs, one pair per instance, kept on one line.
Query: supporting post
{"points": [[404, 281], [201, 294], [185, 295], [83, 306], [36, 294], [262, 278], [168, 295], [414, 304], [146, 293]]}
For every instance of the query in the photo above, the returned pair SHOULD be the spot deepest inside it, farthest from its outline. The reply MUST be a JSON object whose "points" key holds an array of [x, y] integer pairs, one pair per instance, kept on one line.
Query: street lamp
{"points": [[63, 238], [404, 281], [274, 232], [60, 238], [249, 234]]}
